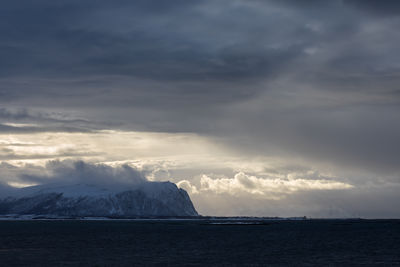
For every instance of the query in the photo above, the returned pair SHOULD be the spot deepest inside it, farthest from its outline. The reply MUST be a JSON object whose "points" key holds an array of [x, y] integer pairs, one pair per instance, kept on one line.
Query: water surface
{"points": [[200, 242]]}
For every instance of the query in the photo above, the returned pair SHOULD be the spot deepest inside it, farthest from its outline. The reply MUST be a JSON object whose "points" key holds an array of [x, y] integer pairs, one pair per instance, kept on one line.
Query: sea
{"points": [[200, 242]]}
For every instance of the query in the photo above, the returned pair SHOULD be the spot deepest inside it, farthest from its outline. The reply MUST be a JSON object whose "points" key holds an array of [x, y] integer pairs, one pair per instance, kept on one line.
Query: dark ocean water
{"points": [[200, 243]]}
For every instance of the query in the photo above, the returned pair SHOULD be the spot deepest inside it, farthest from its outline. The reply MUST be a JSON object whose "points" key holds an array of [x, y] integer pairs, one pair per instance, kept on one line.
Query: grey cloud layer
{"points": [[151, 40]]}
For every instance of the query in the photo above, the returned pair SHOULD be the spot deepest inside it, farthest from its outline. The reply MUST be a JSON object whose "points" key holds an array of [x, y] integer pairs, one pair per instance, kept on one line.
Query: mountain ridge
{"points": [[86, 200]]}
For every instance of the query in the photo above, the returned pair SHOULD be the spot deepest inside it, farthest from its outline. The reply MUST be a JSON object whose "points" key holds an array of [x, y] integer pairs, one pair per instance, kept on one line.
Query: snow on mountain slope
{"points": [[145, 199]]}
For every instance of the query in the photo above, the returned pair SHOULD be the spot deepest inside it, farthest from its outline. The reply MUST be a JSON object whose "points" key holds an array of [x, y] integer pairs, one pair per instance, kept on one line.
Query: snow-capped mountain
{"points": [[84, 200]]}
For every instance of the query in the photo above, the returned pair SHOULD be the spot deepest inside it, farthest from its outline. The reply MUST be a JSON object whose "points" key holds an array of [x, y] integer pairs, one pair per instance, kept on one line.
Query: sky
{"points": [[257, 108]]}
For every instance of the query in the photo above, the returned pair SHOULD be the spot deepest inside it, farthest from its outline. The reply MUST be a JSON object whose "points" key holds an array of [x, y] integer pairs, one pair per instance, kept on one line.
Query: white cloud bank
{"points": [[268, 188]]}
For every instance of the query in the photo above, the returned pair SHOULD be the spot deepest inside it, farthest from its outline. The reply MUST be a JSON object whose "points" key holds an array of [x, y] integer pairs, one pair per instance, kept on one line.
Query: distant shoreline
{"points": [[32, 217]]}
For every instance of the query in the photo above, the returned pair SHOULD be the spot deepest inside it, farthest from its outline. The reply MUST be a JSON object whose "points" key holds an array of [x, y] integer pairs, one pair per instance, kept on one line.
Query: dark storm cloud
{"points": [[144, 60], [141, 39], [377, 7], [317, 79], [389, 7]]}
